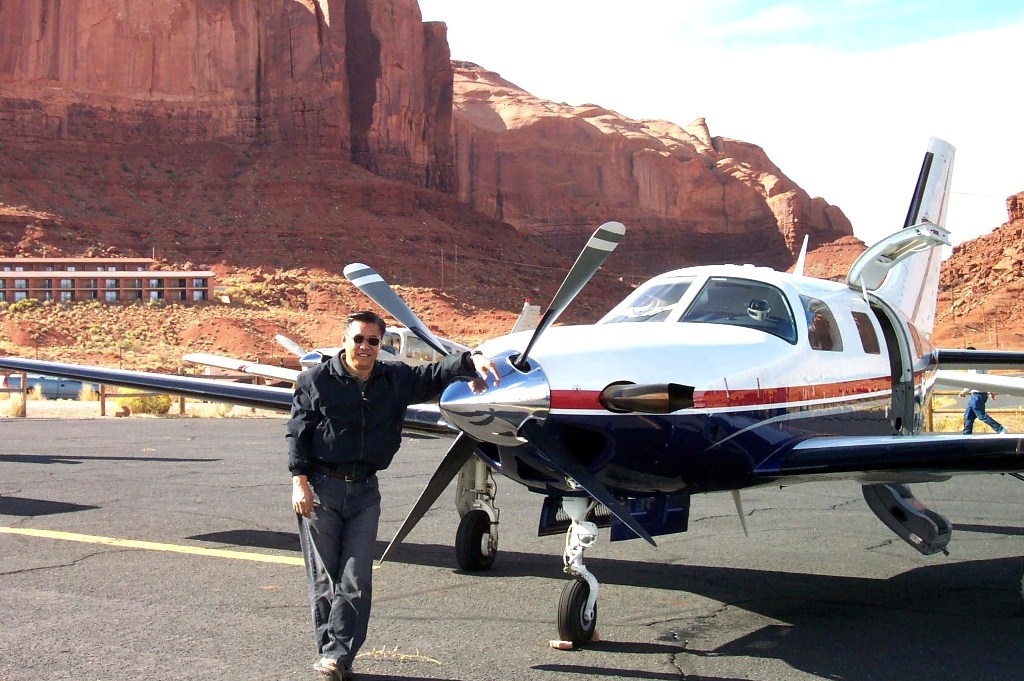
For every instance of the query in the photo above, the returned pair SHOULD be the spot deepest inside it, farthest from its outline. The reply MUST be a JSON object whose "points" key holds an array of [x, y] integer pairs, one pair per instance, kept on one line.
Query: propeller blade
{"points": [[373, 285], [601, 244], [290, 345], [458, 454], [656, 398], [739, 510], [555, 453]]}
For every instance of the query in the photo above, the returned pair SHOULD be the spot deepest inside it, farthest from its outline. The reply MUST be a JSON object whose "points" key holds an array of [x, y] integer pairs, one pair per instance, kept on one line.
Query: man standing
{"points": [[345, 425]]}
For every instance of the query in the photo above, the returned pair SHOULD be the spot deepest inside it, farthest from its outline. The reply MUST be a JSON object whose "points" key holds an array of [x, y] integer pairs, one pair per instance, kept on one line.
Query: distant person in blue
{"points": [[976, 400]]}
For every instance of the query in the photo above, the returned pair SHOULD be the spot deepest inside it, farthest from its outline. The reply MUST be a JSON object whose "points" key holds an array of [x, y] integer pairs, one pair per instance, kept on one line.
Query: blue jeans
{"points": [[976, 410], [338, 544]]}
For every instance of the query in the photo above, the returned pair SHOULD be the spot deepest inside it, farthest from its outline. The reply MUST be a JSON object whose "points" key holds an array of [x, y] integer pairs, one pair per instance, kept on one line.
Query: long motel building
{"points": [[103, 279]]}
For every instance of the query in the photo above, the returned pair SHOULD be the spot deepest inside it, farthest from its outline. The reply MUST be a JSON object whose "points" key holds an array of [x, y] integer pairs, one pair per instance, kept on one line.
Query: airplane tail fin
{"points": [[903, 268], [528, 318]]}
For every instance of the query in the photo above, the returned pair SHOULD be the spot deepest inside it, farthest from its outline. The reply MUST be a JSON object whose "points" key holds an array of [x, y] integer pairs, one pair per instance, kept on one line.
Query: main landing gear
{"points": [[476, 542], [577, 608]]}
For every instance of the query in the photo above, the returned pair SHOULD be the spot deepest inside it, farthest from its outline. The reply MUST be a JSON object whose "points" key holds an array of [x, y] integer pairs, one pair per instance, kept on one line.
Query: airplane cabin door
{"points": [[897, 345]]}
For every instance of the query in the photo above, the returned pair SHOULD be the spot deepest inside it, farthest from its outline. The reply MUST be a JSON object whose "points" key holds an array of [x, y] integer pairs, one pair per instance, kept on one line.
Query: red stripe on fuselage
{"points": [[747, 397]]}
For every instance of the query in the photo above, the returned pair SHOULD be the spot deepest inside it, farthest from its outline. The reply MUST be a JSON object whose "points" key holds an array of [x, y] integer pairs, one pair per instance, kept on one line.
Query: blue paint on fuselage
{"points": [[664, 454]]}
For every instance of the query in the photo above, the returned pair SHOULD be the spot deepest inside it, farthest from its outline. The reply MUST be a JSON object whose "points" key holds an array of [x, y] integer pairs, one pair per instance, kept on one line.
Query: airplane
{"points": [[400, 343], [703, 379]]}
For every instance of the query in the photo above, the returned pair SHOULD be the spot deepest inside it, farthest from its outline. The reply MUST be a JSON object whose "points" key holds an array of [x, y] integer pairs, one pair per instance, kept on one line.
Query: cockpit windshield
{"points": [[742, 302], [652, 302]]}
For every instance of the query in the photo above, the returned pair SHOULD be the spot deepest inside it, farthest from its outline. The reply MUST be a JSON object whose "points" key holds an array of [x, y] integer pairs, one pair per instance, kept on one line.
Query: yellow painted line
{"points": [[152, 546]]}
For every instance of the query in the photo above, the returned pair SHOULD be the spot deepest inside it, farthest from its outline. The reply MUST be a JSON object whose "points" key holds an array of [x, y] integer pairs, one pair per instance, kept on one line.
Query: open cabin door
{"points": [[898, 346]]}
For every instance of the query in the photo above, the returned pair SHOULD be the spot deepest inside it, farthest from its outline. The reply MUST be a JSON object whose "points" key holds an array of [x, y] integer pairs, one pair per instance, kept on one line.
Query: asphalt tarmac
{"points": [[137, 549]]}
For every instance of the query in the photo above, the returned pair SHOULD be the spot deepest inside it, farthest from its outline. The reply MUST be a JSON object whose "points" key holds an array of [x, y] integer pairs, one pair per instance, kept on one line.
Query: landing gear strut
{"points": [[577, 608], [476, 543]]}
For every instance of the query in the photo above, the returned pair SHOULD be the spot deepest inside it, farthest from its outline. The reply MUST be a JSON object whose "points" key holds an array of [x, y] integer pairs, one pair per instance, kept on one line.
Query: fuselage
{"points": [[772, 359]]}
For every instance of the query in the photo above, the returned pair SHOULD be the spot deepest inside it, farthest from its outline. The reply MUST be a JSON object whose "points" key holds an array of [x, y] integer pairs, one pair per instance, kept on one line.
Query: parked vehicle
{"points": [[49, 387]]}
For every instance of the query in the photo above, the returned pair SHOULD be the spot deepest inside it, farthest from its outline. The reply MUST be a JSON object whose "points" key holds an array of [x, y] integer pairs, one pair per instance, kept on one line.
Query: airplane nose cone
{"points": [[496, 414]]}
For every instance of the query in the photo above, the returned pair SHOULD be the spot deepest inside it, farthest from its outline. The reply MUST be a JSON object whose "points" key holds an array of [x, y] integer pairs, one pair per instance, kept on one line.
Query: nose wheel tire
{"points": [[572, 625], [475, 549]]}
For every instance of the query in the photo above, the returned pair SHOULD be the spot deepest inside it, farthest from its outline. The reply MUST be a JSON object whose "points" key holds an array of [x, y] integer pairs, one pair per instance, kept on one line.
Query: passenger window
{"points": [[822, 330], [741, 302], [868, 337]]}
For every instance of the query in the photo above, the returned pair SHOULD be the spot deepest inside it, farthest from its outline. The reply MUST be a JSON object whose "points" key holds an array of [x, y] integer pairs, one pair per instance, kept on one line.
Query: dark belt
{"points": [[349, 472]]}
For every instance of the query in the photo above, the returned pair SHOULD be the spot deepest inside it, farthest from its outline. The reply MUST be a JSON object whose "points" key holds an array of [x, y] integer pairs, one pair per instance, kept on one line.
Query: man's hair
{"points": [[366, 317]]}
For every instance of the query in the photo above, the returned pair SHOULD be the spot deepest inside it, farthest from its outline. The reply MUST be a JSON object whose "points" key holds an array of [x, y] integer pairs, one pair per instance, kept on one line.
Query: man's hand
{"points": [[483, 366], [302, 496]]}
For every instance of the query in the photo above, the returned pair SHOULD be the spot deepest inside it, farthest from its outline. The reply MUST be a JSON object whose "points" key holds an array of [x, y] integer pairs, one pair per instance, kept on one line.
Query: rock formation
{"points": [[554, 170], [981, 286], [365, 77]]}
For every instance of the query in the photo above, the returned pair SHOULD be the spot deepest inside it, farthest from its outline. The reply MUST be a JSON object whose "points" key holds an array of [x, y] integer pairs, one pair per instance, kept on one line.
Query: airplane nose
{"points": [[496, 414]]}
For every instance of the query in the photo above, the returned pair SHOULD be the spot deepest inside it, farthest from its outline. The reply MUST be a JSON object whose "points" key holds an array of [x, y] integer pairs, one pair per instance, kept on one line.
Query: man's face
{"points": [[361, 355]]}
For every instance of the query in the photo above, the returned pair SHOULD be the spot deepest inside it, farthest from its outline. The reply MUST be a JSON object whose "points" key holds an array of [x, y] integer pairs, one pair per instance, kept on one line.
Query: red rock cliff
{"points": [[552, 169], [363, 76]]}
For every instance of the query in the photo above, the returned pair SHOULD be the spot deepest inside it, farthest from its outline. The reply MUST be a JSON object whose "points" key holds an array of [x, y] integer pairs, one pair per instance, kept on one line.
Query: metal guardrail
{"points": [[107, 392]]}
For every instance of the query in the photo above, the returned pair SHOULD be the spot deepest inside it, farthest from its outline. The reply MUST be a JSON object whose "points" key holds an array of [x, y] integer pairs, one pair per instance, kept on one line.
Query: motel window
{"points": [[199, 283], [110, 283], [72, 268], [66, 296], [46, 295], [110, 296], [20, 295], [20, 283], [156, 295], [199, 295], [156, 283], [66, 283], [46, 283], [3, 295]]}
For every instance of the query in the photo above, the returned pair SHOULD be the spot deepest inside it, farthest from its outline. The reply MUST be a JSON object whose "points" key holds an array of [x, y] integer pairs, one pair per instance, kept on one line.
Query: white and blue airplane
{"points": [[705, 379]]}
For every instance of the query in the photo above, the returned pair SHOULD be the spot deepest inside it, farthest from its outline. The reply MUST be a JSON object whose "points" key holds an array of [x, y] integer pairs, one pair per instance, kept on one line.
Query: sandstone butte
{"points": [[276, 140]]}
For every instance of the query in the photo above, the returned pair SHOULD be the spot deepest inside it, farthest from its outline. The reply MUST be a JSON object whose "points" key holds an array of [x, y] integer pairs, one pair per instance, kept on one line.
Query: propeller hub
{"points": [[496, 414]]}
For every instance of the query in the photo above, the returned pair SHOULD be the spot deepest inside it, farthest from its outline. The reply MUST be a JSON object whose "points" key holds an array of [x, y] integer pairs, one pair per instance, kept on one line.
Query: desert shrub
{"points": [[146, 404], [14, 405], [87, 394]]}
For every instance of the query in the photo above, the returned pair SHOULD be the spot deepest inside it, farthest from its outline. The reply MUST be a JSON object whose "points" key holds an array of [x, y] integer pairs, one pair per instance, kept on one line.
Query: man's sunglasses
{"points": [[372, 340]]}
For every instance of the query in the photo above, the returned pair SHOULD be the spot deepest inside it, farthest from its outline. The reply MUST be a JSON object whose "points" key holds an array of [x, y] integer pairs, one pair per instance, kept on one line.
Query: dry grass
{"points": [[76, 409]]}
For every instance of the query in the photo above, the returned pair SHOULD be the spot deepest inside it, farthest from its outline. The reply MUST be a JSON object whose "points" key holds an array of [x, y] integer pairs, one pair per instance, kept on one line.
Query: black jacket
{"points": [[333, 423]]}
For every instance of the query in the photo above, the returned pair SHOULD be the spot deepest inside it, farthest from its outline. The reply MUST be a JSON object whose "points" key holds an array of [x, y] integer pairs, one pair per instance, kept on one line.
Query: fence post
{"points": [[23, 411], [103, 399]]}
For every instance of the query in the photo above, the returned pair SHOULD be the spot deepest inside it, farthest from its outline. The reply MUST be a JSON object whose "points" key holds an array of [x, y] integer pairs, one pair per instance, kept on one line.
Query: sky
{"points": [[842, 95]]}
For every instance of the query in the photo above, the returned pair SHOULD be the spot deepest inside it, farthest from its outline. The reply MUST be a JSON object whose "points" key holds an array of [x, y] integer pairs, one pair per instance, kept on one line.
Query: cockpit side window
{"points": [[651, 303], [822, 330], [741, 302]]}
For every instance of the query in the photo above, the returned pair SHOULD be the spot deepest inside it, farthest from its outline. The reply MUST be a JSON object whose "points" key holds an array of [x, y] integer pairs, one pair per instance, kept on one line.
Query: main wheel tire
{"points": [[473, 546], [571, 624]]}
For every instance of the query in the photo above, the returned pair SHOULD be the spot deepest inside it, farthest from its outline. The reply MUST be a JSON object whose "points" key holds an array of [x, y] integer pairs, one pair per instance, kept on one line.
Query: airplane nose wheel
{"points": [[577, 607], [475, 546]]}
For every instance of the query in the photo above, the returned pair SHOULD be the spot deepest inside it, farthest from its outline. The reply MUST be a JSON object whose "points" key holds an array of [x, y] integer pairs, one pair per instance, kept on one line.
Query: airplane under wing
{"points": [[892, 459], [993, 383], [418, 416], [269, 371]]}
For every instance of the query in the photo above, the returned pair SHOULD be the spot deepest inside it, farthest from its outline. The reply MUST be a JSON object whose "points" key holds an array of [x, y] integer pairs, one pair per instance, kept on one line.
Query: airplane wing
{"points": [[892, 459], [1002, 385], [270, 371], [418, 416]]}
